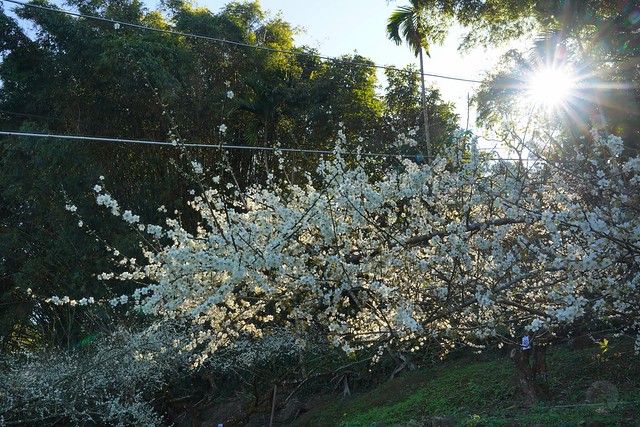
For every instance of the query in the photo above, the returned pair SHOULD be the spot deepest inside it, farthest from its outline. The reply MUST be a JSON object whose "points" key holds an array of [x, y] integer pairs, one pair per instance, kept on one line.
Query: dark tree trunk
{"points": [[540, 367], [540, 363], [526, 375]]}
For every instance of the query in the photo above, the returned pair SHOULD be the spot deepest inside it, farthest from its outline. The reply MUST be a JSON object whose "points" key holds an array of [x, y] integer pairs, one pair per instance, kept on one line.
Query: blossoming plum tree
{"points": [[446, 253]]}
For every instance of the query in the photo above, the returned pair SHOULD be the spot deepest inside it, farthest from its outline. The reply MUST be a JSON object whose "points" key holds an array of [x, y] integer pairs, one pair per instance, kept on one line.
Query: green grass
{"points": [[485, 393]]}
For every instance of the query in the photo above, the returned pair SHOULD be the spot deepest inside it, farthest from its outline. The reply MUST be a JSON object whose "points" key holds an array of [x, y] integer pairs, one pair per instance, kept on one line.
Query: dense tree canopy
{"points": [[495, 22]]}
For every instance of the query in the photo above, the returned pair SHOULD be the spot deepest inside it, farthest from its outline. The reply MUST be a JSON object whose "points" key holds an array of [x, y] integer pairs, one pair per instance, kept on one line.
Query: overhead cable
{"points": [[194, 145], [232, 147], [235, 43]]}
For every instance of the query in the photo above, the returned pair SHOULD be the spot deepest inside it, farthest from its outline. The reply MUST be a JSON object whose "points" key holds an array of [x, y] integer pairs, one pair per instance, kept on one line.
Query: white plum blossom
{"points": [[106, 200], [632, 165], [433, 250], [130, 217], [196, 167], [222, 129], [111, 381], [615, 145]]}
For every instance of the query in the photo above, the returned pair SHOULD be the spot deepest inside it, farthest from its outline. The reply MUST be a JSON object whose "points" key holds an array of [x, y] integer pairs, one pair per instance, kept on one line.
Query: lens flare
{"points": [[551, 86]]}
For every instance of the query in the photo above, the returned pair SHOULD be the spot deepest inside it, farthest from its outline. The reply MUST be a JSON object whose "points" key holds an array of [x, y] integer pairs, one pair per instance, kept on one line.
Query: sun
{"points": [[550, 87]]}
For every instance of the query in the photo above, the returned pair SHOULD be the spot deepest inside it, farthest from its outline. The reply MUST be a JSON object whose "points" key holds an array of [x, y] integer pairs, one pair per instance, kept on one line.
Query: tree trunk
{"points": [[540, 367], [427, 138], [540, 362], [526, 378]]}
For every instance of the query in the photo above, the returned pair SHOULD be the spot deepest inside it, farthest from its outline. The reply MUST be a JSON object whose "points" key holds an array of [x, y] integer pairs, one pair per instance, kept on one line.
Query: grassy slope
{"points": [[485, 393]]}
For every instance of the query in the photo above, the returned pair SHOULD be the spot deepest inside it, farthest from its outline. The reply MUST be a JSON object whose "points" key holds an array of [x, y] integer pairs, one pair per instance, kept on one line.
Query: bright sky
{"points": [[338, 27]]}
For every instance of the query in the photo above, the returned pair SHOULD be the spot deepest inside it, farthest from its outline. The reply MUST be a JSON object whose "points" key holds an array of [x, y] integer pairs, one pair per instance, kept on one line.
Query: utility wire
{"points": [[230, 147], [35, 116], [235, 43], [194, 145], [15, 133]]}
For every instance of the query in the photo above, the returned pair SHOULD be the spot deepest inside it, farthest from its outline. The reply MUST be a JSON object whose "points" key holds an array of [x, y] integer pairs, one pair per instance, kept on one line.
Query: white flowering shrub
{"points": [[112, 382], [442, 251], [250, 353]]}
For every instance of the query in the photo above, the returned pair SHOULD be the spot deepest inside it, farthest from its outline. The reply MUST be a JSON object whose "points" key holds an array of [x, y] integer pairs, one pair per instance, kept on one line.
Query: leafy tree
{"points": [[593, 98], [495, 22], [345, 94], [403, 112], [57, 83], [410, 24]]}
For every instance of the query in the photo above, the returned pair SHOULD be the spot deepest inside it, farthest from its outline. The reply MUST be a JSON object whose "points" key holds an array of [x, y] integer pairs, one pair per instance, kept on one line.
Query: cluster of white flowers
{"points": [[402, 257], [251, 352], [106, 200], [130, 217], [406, 140], [197, 167]]}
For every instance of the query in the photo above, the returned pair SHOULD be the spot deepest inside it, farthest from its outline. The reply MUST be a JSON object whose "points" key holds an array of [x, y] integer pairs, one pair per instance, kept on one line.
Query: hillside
{"points": [[588, 387]]}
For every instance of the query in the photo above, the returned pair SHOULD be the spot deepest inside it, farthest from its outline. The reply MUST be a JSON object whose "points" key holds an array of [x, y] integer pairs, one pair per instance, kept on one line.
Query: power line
{"points": [[235, 43], [194, 145], [228, 147]]}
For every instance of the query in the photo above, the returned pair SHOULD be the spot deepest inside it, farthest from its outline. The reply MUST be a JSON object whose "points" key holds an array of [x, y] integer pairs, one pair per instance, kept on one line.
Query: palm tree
{"points": [[407, 23]]}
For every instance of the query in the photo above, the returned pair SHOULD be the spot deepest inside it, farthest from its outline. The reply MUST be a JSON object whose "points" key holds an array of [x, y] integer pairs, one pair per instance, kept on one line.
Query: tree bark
{"points": [[526, 378], [540, 366], [540, 362]]}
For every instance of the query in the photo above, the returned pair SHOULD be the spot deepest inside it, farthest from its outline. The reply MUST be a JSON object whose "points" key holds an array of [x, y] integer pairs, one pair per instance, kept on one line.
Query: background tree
{"points": [[403, 112], [495, 22], [413, 25]]}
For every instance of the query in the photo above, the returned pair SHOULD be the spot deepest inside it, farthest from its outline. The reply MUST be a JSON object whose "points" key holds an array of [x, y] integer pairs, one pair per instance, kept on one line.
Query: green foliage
{"points": [[417, 26], [494, 22], [403, 113], [596, 42]]}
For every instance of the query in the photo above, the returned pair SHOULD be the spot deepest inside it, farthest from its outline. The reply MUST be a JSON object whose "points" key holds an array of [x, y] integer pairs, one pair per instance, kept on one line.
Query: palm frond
{"points": [[405, 25]]}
